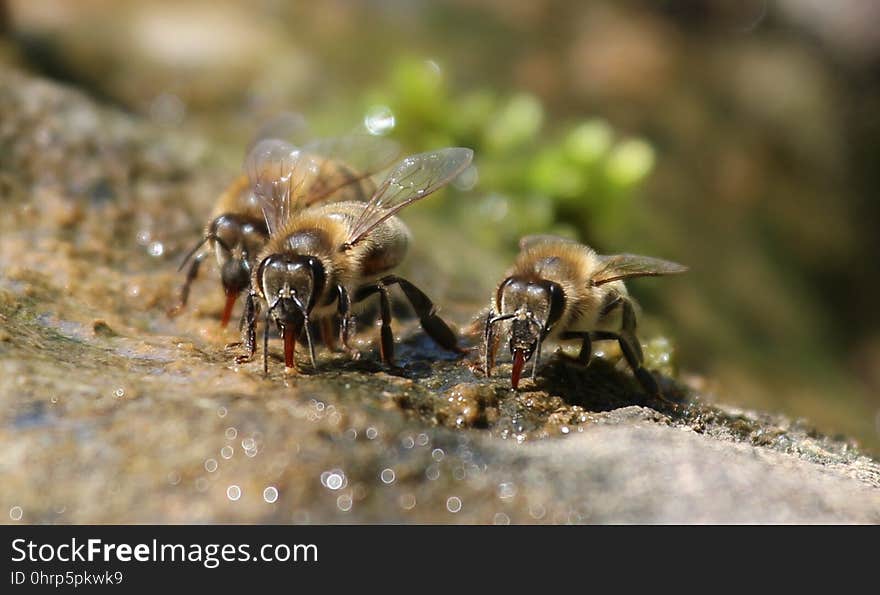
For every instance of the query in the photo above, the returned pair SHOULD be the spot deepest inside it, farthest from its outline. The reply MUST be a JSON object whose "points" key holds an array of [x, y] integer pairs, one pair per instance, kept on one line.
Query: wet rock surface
{"points": [[112, 412]]}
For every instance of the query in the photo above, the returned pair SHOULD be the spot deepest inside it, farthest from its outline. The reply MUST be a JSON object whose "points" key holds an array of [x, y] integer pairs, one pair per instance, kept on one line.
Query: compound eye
{"points": [[557, 302], [253, 237], [512, 294]]}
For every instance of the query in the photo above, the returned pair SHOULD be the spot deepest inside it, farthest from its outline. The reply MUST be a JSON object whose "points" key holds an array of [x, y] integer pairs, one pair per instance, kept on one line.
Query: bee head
{"points": [[236, 240], [291, 284], [532, 306]]}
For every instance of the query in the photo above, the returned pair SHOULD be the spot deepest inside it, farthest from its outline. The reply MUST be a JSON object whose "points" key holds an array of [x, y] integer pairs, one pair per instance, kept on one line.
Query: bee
{"points": [[238, 230], [560, 290], [322, 260]]}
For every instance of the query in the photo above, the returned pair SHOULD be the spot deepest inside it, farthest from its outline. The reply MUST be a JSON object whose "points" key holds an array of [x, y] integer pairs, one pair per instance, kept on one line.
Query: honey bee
{"points": [[238, 230], [561, 290], [321, 261]]}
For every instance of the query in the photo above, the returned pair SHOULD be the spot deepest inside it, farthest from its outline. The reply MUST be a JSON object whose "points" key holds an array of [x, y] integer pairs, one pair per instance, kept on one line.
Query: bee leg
{"points": [[191, 275], [346, 321], [265, 343], [586, 352], [432, 324], [632, 352], [386, 344], [248, 329], [489, 345]]}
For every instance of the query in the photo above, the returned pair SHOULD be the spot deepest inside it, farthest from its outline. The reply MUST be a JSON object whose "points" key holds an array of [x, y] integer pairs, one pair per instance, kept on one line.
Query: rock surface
{"points": [[111, 412]]}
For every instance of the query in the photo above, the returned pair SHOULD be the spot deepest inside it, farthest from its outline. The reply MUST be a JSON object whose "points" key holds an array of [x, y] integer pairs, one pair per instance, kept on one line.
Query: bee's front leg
{"points": [[248, 329], [386, 337], [191, 275], [586, 352], [346, 320]]}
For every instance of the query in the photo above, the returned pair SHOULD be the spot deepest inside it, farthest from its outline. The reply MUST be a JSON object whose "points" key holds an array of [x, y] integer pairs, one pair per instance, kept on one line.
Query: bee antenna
{"points": [[491, 321], [500, 318], [192, 252], [305, 314]]}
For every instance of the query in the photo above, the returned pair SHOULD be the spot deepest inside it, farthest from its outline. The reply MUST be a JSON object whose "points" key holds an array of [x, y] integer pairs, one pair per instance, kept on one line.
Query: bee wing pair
{"points": [[286, 178], [414, 178], [615, 267]]}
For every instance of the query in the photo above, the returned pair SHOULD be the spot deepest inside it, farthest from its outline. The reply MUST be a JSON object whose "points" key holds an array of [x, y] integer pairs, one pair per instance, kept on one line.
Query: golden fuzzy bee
{"points": [[237, 230], [322, 260], [561, 290]]}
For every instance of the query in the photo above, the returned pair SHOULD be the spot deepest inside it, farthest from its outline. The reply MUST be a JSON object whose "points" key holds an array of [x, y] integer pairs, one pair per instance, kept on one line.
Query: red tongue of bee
{"points": [[227, 310], [289, 344], [519, 360]]}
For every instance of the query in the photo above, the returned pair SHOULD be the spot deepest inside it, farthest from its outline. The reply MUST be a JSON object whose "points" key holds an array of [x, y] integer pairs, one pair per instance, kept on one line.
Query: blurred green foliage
{"points": [[570, 181]]}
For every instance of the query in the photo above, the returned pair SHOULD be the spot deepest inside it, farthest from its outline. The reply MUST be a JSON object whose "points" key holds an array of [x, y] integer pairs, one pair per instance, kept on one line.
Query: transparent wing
{"points": [[286, 178], [622, 266], [527, 242], [346, 160], [412, 179], [277, 170]]}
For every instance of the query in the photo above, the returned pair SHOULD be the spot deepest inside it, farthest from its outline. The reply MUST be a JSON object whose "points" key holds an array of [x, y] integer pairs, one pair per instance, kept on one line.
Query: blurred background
{"points": [[741, 138]]}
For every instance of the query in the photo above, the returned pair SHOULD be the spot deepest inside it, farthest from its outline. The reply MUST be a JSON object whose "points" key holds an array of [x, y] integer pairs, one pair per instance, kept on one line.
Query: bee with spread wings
{"points": [[339, 170], [321, 260], [561, 290]]}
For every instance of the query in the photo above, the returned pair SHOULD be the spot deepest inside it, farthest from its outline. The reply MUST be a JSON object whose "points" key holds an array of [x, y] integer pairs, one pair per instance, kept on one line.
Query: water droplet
{"points": [[15, 513], [408, 442], [249, 444], [143, 237], [333, 479], [379, 120], [434, 67], [506, 490], [344, 502], [387, 476], [437, 454], [407, 501], [351, 434], [537, 511], [270, 494], [174, 478], [231, 433], [459, 473], [564, 429], [433, 472], [453, 504], [221, 412], [211, 465], [226, 452], [156, 249], [233, 492], [422, 439], [53, 399], [501, 519], [119, 393], [372, 433]]}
